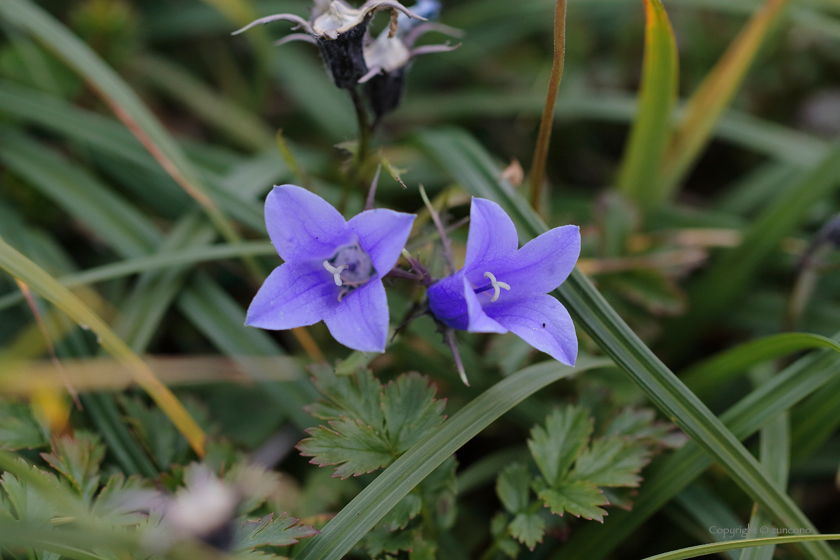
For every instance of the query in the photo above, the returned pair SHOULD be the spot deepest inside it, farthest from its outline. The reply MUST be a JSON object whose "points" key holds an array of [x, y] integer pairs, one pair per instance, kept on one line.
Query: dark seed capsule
{"points": [[384, 91], [344, 56]]}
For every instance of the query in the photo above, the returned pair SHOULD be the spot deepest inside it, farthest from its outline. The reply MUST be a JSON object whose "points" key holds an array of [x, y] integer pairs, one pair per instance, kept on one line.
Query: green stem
{"points": [[357, 171]]}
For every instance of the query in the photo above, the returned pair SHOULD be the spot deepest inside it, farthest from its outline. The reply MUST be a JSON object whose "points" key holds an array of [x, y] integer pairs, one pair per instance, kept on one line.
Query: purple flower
{"points": [[503, 289], [333, 268]]}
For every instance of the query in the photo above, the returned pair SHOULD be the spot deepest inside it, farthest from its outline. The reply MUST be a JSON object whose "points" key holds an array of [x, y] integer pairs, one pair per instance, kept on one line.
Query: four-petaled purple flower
{"points": [[333, 268], [503, 289]]}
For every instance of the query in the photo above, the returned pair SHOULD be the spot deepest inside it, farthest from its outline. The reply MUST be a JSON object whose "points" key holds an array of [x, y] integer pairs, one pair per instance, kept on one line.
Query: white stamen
{"points": [[335, 271], [496, 286]]}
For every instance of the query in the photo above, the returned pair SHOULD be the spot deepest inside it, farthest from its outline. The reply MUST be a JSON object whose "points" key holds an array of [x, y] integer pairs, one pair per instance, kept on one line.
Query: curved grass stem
{"points": [[544, 138]]}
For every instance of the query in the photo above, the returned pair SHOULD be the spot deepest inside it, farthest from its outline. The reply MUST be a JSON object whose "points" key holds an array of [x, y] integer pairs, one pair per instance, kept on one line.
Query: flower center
{"points": [[495, 285], [335, 271], [350, 267]]}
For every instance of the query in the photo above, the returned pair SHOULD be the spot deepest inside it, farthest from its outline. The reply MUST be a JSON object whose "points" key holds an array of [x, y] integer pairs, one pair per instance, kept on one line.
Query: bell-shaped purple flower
{"points": [[502, 288], [333, 268]]}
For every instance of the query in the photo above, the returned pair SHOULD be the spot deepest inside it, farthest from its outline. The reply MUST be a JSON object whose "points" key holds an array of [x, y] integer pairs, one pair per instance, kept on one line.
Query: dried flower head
{"points": [[340, 32]]}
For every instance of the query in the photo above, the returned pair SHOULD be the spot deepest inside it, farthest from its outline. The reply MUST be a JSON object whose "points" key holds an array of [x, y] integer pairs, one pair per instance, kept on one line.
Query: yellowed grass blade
{"points": [[24, 379], [49, 288], [715, 94]]}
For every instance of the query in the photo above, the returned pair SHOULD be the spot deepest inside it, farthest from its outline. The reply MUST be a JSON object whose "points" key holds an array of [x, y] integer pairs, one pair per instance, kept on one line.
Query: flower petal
{"points": [[454, 303], [294, 295], [360, 320], [382, 234], [542, 322], [302, 225], [492, 234], [539, 266]]}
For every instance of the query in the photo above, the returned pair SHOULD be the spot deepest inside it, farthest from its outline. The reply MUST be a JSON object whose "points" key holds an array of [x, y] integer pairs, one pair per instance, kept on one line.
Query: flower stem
{"points": [[364, 129], [357, 170], [541, 151]]}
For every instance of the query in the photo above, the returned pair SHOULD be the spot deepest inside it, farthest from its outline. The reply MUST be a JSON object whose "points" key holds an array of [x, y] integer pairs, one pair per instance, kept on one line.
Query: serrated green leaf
{"points": [[369, 426], [508, 547], [19, 429], [410, 410], [380, 541], [355, 396], [579, 498], [512, 487], [270, 531], [423, 550], [29, 503], [403, 512], [556, 446], [157, 433], [499, 525], [612, 461], [78, 460], [639, 423], [121, 498], [353, 445], [528, 528]]}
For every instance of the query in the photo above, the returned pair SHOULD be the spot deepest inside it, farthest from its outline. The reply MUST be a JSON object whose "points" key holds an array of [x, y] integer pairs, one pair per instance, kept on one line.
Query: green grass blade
{"points": [[466, 161], [711, 374], [767, 138], [668, 476], [721, 285], [241, 126], [122, 100], [706, 549], [366, 509], [715, 94], [638, 178]]}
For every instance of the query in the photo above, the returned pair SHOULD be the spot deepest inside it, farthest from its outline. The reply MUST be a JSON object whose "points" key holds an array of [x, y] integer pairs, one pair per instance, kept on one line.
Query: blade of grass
{"points": [[468, 163], [706, 549], [667, 476], [22, 268], [714, 372], [715, 93], [721, 285], [547, 122], [120, 98], [241, 126], [366, 509], [651, 132], [775, 455], [764, 137], [189, 256]]}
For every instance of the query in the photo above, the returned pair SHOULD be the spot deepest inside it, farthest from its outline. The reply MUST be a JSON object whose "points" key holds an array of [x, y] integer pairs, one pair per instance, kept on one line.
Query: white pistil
{"points": [[496, 286], [335, 271]]}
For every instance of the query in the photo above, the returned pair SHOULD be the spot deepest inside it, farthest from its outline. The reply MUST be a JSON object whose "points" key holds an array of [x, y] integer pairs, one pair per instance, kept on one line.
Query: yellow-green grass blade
{"points": [[123, 101], [638, 178], [188, 256], [48, 287], [716, 93], [467, 162], [706, 549]]}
